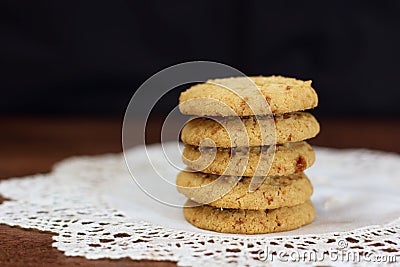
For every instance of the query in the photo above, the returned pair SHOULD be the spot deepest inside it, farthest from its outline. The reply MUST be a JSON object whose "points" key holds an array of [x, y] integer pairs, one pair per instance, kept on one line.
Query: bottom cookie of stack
{"points": [[241, 221]]}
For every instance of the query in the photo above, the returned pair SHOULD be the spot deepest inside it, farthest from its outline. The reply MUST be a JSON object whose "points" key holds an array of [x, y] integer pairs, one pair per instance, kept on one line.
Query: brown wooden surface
{"points": [[30, 145]]}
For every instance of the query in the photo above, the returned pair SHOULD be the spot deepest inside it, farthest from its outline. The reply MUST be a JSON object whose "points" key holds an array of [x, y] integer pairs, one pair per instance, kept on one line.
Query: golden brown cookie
{"points": [[241, 221], [248, 96], [233, 192], [292, 127], [289, 158]]}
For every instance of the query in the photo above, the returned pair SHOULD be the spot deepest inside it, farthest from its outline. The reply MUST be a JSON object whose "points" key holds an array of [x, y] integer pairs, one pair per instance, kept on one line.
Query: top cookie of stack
{"points": [[284, 95]]}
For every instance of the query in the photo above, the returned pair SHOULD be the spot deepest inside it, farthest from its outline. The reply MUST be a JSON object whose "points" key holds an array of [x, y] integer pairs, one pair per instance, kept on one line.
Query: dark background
{"points": [[88, 57]]}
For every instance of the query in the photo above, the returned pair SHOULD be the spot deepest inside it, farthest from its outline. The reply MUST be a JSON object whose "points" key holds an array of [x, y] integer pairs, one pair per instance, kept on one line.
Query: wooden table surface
{"points": [[30, 145]]}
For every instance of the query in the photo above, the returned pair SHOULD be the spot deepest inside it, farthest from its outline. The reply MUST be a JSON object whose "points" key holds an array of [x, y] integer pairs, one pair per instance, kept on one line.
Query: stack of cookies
{"points": [[233, 184]]}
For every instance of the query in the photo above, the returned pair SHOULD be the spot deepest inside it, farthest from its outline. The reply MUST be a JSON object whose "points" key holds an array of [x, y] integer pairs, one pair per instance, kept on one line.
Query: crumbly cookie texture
{"points": [[289, 158], [233, 192], [240, 221], [250, 131], [248, 96]]}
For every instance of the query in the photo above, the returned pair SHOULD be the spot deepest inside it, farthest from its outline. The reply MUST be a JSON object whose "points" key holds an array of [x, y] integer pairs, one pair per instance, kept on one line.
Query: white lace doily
{"points": [[97, 211]]}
